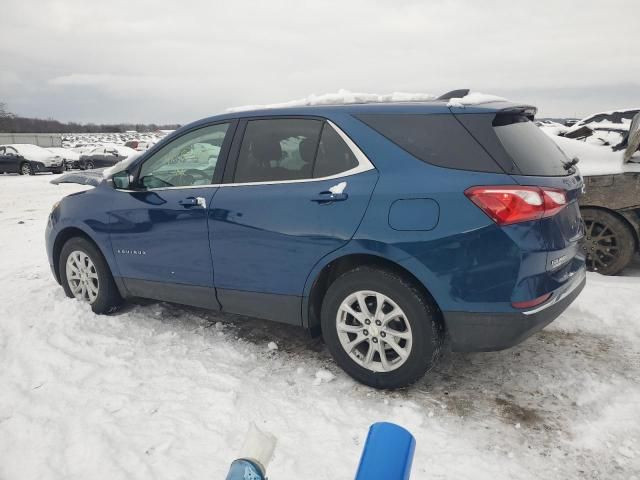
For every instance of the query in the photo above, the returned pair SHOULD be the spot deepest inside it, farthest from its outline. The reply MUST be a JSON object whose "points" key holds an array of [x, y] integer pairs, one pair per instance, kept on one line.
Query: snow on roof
{"points": [[342, 97], [594, 160], [616, 119], [474, 98]]}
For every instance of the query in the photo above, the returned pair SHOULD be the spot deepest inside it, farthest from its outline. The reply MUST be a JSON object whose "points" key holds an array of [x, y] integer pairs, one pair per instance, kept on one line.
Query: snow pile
{"points": [[342, 97], [613, 119], [164, 392], [594, 160], [474, 98]]}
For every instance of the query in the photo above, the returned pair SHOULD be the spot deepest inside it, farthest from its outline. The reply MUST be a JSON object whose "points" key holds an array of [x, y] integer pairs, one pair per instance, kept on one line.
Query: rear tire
{"points": [[89, 165], [609, 243], [90, 271], [26, 169], [393, 305]]}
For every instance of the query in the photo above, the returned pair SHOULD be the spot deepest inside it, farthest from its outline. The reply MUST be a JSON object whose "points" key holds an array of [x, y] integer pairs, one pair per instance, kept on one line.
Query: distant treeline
{"points": [[10, 123]]}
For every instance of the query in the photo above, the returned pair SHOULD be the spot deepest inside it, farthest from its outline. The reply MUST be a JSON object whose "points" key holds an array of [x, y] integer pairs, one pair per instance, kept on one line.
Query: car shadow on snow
{"points": [[532, 385]]}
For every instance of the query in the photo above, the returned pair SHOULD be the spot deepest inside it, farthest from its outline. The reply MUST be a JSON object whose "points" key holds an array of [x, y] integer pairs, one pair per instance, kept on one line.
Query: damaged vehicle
{"points": [[606, 146], [391, 229]]}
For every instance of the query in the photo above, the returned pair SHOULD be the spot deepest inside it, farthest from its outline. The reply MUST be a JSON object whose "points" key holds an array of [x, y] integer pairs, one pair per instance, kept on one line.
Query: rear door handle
{"points": [[328, 197], [193, 202]]}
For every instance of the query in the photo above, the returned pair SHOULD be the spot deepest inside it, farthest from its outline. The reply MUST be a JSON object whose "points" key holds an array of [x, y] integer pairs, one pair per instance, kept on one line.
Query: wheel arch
{"points": [[63, 236], [332, 269]]}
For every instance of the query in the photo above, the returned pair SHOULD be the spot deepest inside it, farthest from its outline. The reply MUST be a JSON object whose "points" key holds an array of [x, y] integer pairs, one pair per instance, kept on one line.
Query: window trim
{"points": [[230, 151], [364, 164]]}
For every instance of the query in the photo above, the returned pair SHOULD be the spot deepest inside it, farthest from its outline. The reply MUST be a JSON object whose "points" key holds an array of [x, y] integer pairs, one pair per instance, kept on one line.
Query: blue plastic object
{"points": [[387, 454], [243, 469]]}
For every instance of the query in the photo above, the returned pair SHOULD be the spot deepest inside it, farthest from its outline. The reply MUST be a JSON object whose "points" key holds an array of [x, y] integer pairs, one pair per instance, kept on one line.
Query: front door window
{"points": [[188, 161]]}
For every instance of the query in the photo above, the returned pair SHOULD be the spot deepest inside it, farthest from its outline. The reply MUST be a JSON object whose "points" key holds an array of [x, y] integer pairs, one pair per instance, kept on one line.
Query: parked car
{"points": [[28, 160], [138, 145], [610, 205], [69, 157], [104, 156], [384, 227]]}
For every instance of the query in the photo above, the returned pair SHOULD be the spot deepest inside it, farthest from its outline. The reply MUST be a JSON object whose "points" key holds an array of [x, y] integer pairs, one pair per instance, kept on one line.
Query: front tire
{"points": [[85, 275], [380, 328], [608, 243]]}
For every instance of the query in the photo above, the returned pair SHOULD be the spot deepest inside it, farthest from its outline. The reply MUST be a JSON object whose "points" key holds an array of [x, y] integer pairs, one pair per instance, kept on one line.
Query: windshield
{"points": [[25, 149]]}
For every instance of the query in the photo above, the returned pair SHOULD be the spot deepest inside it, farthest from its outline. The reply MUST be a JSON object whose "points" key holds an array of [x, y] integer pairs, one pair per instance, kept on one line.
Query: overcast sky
{"points": [[161, 61]]}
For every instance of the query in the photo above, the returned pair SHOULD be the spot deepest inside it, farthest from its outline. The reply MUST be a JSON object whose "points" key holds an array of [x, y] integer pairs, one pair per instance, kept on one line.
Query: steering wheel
{"points": [[189, 177]]}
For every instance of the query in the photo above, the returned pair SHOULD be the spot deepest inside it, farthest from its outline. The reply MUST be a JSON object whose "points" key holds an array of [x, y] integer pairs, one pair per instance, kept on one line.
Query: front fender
{"points": [[84, 212]]}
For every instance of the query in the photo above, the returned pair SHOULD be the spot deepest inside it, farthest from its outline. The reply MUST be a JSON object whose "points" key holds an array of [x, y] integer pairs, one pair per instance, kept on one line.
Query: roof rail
{"points": [[461, 92]]}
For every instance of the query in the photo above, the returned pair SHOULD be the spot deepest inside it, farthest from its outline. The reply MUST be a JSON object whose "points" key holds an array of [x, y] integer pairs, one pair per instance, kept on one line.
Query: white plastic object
{"points": [[258, 446], [339, 188]]}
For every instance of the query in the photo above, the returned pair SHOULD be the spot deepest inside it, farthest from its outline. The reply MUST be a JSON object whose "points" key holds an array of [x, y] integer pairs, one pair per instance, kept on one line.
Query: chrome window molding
{"points": [[364, 165]]}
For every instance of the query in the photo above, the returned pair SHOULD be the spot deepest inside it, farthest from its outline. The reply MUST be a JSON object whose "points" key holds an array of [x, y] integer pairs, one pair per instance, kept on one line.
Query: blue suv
{"points": [[391, 229]]}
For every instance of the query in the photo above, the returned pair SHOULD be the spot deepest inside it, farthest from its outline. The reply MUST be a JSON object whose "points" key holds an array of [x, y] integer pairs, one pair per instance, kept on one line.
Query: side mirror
{"points": [[122, 180]]}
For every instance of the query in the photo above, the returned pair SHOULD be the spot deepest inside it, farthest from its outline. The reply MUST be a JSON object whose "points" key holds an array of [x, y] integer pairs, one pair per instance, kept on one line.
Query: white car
{"points": [[69, 157], [28, 159]]}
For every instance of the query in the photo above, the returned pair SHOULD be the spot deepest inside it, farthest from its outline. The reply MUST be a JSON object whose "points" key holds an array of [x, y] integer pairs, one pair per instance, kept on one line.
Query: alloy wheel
{"points": [[600, 245], [374, 331], [82, 276]]}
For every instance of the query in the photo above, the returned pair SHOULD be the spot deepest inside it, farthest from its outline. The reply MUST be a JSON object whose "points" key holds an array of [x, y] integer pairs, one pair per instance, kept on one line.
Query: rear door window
{"points": [[334, 155], [278, 150]]}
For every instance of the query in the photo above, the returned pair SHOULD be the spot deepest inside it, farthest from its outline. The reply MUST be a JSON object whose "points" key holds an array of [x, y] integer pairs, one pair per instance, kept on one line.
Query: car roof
{"points": [[423, 107]]}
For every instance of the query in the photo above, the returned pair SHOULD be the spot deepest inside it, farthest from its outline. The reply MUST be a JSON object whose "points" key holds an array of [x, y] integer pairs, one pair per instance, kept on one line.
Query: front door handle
{"points": [[193, 202], [328, 197]]}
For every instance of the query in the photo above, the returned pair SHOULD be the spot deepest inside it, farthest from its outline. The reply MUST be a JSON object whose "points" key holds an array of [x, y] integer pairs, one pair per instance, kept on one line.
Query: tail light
{"points": [[506, 205]]}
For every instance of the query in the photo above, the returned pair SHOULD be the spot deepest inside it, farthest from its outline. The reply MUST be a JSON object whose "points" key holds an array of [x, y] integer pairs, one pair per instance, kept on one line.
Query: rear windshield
{"points": [[533, 152]]}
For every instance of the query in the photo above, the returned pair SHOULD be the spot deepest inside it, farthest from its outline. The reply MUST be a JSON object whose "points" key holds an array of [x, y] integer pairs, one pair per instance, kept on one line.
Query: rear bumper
{"points": [[486, 332]]}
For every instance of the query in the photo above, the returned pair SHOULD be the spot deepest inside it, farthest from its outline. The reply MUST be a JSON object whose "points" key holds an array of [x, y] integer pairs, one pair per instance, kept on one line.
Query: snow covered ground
{"points": [[160, 391]]}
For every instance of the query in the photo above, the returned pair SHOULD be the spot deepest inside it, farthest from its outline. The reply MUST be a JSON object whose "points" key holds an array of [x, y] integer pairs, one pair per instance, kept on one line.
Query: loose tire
{"points": [[380, 328], [26, 169], [85, 275], [609, 243]]}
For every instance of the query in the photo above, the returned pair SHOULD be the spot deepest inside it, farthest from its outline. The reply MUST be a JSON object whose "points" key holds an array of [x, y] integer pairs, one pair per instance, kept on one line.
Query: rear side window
{"points": [[334, 156], [530, 148], [278, 149], [437, 139]]}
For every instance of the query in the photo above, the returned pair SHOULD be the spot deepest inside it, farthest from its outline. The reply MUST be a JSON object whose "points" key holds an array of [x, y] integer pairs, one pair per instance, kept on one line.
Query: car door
{"points": [[6, 163], [298, 189], [159, 229], [9, 161]]}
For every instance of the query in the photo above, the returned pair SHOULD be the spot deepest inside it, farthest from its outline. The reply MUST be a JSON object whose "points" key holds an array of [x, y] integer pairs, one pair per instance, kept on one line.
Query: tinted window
{"points": [[189, 160], [277, 149], [530, 148], [436, 139], [334, 155]]}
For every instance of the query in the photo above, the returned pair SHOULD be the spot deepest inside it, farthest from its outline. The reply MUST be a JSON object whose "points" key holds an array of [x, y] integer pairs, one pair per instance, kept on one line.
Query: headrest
{"points": [[307, 149], [266, 148]]}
